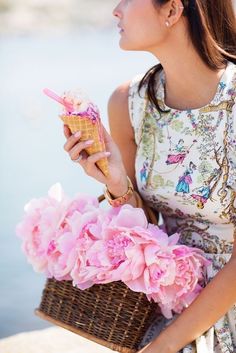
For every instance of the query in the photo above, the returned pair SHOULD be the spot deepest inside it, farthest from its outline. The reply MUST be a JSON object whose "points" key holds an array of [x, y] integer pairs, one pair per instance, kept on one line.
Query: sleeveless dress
{"points": [[186, 169]]}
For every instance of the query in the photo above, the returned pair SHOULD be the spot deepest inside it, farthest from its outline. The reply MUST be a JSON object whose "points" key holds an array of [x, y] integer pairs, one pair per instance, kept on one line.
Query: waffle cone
{"points": [[90, 131]]}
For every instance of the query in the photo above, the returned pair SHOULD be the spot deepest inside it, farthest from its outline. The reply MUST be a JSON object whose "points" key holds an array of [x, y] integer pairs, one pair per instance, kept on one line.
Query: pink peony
{"points": [[169, 273], [119, 254], [158, 263], [106, 259], [82, 203], [50, 228], [100, 265], [126, 216], [77, 240], [89, 238], [188, 265], [71, 246], [40, 225]]}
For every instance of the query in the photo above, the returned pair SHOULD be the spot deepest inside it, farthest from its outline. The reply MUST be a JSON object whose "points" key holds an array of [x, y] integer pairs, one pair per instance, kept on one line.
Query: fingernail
{"points": [[89, 142], [77, 134], [107, 154]]}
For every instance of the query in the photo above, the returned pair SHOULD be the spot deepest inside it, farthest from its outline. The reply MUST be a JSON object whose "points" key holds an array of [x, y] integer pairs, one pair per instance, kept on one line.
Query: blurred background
{"points": [[60, 44]]}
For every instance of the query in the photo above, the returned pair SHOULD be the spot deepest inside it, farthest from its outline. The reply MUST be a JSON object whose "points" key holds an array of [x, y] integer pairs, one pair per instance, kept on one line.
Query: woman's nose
{"points": [[116, 12]]}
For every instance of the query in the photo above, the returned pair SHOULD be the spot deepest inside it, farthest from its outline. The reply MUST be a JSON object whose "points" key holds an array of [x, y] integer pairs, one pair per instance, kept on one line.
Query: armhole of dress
{"points": [[231, 135], [136, 105]]}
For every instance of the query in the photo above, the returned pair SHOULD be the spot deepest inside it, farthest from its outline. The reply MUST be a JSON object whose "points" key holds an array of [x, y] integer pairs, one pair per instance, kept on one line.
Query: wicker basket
{"points": [[109, 314]]}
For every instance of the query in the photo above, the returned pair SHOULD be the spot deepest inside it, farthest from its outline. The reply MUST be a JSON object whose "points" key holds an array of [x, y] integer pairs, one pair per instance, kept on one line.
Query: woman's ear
{"points": [[174, 10]]}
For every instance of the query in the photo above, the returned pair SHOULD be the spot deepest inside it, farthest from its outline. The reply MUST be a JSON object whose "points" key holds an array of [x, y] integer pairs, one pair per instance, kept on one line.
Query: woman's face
{"points": [[142, 25]]}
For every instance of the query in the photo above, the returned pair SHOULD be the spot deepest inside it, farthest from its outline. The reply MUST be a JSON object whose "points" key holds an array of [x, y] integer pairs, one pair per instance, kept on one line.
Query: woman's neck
{"points": [[190, 83], [193, 87]]}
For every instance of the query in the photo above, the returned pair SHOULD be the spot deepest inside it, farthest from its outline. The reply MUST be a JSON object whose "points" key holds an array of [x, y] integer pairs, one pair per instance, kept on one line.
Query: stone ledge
{"points": [[50, 340]]}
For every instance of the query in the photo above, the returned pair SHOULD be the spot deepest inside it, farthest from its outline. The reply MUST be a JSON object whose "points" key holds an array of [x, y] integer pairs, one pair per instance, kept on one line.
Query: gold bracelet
{"points": [[121, 200]]}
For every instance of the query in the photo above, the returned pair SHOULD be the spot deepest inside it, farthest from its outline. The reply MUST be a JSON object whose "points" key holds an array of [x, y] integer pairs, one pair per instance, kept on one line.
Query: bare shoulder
{"points": [[118, 108], [121, 92], [118, 103], [119, 98]]}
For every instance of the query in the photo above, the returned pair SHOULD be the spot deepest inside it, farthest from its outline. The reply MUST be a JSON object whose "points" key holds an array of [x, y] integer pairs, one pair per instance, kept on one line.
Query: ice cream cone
{"points": [[91, 130], [80, 114]]}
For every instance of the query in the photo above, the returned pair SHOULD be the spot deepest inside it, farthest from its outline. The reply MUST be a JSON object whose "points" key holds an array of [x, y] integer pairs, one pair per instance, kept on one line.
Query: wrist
{"points": [[119, 196], [118, 189], [164, 344]]}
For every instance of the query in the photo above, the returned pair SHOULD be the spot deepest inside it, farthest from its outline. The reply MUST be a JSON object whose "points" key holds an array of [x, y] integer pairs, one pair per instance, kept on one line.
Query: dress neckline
{"points": [[215, 100]]}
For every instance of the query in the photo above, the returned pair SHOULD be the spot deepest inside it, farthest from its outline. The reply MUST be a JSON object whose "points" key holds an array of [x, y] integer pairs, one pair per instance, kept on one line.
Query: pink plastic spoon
{"points": [[55, 97]]}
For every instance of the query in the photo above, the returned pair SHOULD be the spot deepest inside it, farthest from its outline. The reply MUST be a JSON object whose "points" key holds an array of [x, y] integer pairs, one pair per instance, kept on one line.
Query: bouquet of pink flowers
{"points": [[75, 239]]}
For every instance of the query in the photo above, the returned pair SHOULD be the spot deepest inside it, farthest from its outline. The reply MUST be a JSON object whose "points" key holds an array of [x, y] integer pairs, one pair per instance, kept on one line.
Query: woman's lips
{"points": [[121, 29]]}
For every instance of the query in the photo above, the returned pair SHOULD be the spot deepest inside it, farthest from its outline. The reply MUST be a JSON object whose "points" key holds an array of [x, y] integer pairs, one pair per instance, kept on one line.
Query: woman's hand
{"points": [[117, 173]]}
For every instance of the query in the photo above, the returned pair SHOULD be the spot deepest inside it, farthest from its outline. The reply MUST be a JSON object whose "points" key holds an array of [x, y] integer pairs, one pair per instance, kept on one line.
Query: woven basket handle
{"points": [[150, 214]]}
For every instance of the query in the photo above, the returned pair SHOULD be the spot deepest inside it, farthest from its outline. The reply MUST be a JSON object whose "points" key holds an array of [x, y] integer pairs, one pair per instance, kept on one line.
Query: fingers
{"points": [[67, 131], [74, 147], [72, 140], [77, 152], [89, 164], [81, 157], [78, 148]]}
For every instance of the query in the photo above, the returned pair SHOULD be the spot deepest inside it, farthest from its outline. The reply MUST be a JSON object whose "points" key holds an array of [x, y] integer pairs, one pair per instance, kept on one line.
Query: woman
{"points": [[189, 96]]}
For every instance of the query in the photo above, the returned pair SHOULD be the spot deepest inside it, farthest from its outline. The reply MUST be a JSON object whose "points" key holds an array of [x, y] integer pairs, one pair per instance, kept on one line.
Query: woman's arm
{"points": [[211, 304], [123, 134]]}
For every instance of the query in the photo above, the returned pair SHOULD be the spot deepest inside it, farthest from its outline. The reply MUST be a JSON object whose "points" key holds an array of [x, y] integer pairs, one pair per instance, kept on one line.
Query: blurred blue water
{"points": [[31, 146]]}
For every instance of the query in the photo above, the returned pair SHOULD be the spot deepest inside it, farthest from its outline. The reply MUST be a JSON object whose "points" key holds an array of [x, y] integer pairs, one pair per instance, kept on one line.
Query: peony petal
{"points": [[56, 192], [136, 285]]}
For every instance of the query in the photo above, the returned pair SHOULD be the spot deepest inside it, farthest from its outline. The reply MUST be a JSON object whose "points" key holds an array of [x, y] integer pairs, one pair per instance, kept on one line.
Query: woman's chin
{"points": [[124, 45]]}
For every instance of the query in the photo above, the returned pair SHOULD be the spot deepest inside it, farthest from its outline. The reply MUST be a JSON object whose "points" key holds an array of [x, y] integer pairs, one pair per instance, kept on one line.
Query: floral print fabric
{"points": [[186, 168]]}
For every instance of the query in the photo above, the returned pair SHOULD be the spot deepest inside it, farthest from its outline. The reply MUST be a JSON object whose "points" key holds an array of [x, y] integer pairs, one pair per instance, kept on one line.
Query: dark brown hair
{"points": [[212, 29]]}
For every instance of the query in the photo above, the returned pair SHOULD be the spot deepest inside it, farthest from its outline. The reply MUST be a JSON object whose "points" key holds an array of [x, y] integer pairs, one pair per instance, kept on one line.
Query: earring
{"points": [[167, 23]]}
